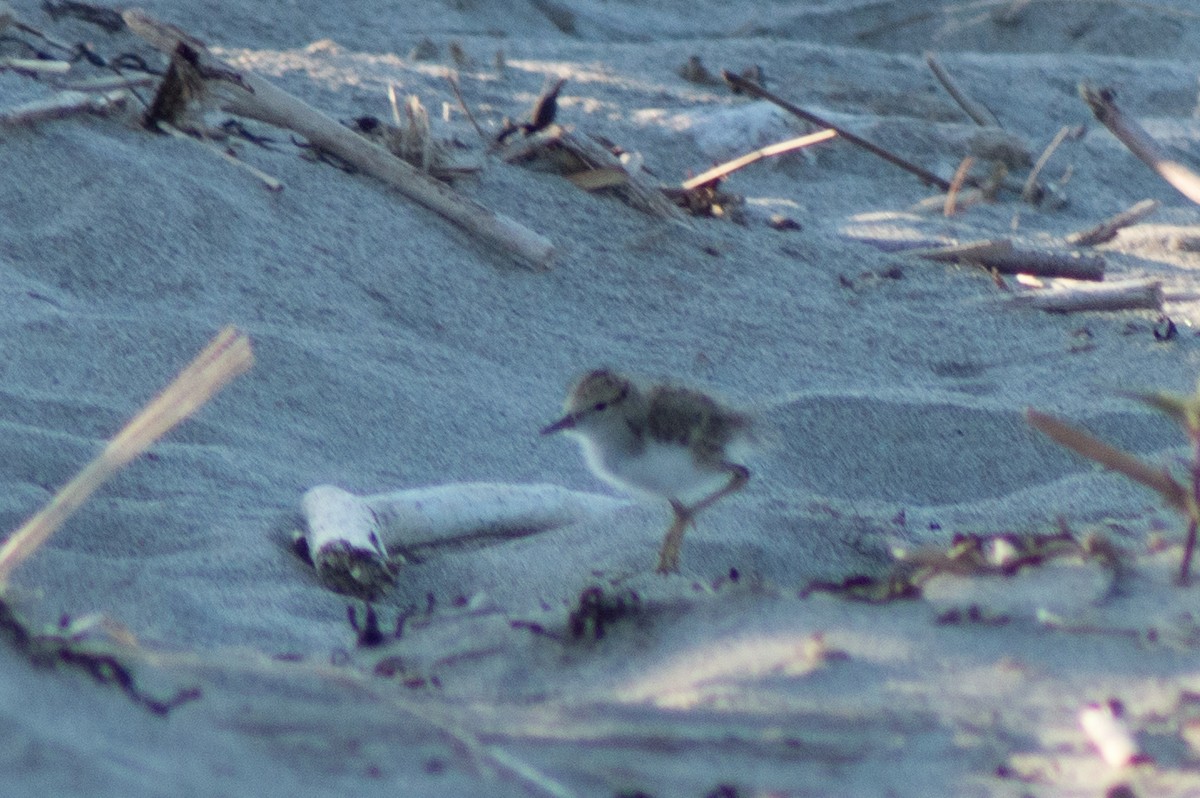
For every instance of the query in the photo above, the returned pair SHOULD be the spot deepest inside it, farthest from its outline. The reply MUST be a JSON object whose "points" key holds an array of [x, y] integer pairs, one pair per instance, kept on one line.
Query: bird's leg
{"points": [[739, 475], [668, 557]]}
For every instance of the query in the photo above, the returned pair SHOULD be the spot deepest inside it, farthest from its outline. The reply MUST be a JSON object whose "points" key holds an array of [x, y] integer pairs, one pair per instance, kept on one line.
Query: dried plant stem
{"points": [[267, 180], [950, 207], [246, 94], [750, 87], [227, 356], [1075, 439], [1141, 143], [466, 109], [1125, 295], [1108, 229], [729, 167], [979, 114], [1029, 191]]}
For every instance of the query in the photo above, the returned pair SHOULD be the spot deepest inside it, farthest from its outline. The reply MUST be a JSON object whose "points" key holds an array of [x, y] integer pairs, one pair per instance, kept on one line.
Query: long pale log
{"points": [[244, 93]]}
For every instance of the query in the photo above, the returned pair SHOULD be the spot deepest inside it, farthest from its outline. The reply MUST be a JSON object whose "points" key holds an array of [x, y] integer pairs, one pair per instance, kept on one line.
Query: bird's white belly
{"points": [[663, 470]]}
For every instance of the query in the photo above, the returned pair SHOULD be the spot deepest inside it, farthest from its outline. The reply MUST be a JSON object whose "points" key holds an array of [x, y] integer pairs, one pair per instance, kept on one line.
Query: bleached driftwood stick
{"points": [[64, 104], [349, 537], [252, 96], [1108, 229], [225, 357], [1001, 255], [720, 171], [1124, 295], [1141, 143], [979, 114], [1030, 191], [35, 65], [267, 180]]}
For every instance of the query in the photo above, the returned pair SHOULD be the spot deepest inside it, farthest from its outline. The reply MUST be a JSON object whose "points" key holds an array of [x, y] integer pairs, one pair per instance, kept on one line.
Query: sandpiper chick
{"points": [[665, 441]]}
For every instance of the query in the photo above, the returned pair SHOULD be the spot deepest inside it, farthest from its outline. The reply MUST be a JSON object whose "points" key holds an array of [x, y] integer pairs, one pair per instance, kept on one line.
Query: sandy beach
{"points": [[395, 349]]}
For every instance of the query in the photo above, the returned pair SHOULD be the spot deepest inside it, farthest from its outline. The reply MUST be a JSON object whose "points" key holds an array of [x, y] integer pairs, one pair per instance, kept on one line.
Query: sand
{"points": [[394, 350]]}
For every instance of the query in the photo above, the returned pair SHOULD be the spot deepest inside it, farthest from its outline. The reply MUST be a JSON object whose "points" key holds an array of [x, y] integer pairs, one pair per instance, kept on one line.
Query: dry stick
{"points": [[466, 110], [1107, 230], [1125, 295], [750, 87], [226, 356], [267, 180], [1141, 143], [978, 112], [1029, 191], [949, 207], [718, 172], [64, 104], [35, 65], [1001, 255], [258, 99], [1075, 439]]}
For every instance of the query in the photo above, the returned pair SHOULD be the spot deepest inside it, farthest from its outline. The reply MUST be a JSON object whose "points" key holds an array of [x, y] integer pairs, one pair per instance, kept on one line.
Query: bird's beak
{"points": [[566, 422]]}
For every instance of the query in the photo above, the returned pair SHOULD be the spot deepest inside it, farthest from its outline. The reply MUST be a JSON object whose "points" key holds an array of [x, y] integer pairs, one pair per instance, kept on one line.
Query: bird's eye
{"points": [[599, 406]]}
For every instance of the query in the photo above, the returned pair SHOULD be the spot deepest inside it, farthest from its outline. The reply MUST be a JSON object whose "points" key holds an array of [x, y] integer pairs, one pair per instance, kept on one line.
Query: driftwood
{"points": [[349, 537], [1124, 295], [750, 87], [1032, 191], [1141, 143], [1108, 229], [1001, 255], [246, 94]]}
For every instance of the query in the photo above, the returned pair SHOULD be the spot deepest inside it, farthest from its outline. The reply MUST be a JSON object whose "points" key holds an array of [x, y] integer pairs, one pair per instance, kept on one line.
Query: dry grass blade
{"points": [[1075, 439], [227, 356]]}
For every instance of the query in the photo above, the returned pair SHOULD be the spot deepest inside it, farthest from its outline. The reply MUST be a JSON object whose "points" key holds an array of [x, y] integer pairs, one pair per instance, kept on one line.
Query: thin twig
{"points": [[1029, 192], [1108, 229], [750, 87], [960, 174], [978, 112], [226, 356], [1141, 143], [270, 182], [466, 110], [718, 172]]}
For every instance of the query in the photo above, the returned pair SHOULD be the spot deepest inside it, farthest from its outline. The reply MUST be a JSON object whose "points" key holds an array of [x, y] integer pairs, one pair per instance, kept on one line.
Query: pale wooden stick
{"points": [[35, 65], [270, 182], [1002, 256], [720, 171], [1108, 229], [1124, 295], [1141, 143], [226, 356], [63, 105], [949, 207], [750, 87], [979, 114], [253, 96]]}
